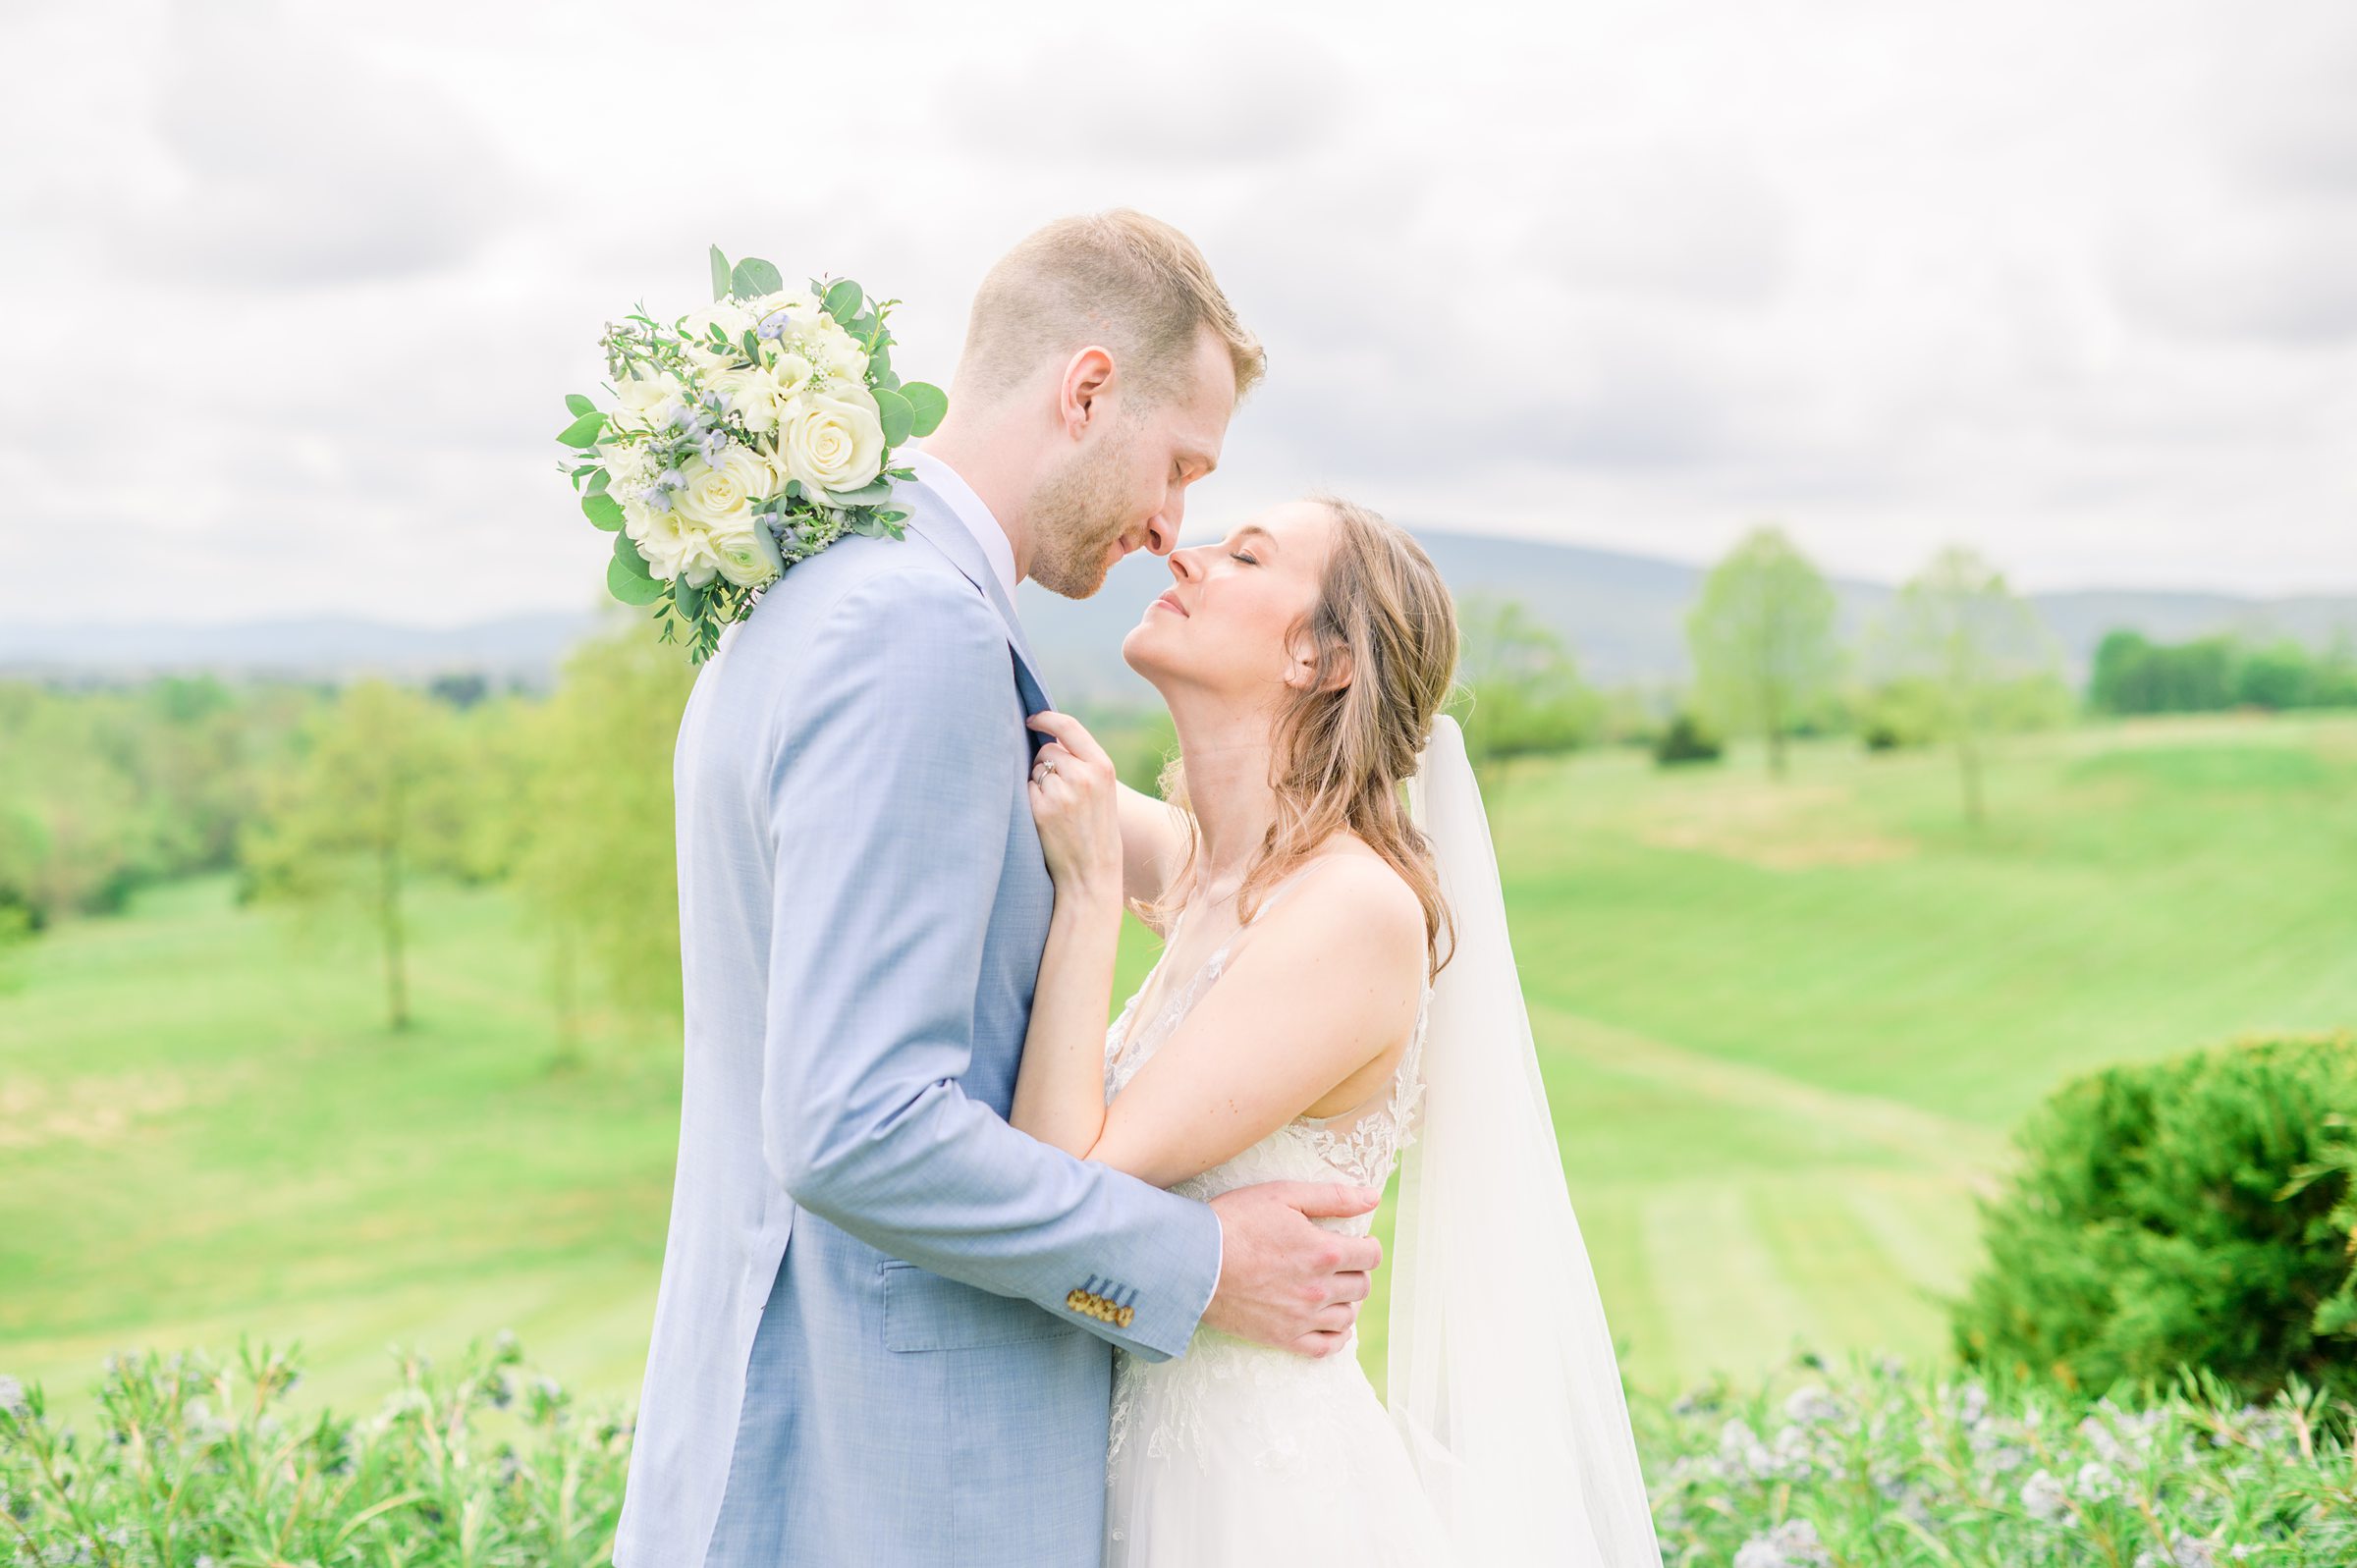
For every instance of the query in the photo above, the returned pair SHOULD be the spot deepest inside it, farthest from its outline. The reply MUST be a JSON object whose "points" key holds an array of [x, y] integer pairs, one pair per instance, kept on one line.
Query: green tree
{"points": [[1966, 661], [594, 854], [1527, 697], [374, 799], [1762, 640]]}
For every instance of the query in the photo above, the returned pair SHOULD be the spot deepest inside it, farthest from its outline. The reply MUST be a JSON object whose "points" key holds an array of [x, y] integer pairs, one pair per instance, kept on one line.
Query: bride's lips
{"points": [[1170, 601]]}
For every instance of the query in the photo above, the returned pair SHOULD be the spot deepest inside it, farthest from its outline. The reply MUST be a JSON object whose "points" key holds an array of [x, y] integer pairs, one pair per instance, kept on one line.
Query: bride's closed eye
{"points": [[1244, 556]]}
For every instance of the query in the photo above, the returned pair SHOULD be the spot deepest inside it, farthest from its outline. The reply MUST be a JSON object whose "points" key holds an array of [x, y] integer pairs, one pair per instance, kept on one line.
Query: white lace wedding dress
{"points": [[1236, 1454]]}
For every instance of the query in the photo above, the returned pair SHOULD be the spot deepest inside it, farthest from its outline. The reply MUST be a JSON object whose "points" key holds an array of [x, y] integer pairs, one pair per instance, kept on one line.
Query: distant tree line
{"points": [[2134, 675], [322, 799], [333, 803], [1957, 660]]}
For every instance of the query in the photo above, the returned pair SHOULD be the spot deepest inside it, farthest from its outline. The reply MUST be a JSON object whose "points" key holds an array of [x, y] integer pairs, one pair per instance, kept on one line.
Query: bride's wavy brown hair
{"points": [[1343, 753]]}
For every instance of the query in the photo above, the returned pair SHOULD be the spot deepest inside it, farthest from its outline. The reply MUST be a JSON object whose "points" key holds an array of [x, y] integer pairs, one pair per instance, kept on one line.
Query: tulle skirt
{"points": [[1235, 1454]]}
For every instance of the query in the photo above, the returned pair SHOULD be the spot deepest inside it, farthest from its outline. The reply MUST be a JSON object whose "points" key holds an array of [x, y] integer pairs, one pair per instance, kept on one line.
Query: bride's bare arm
{"points": [[1327, 982]]}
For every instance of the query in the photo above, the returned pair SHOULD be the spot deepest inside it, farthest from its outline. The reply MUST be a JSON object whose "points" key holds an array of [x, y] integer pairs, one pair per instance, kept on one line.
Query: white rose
{"points": [[647, 402], [838, 353], [747, 558], [755, 397], [731, 318], [628, 466], [798, 305], [668, 539], [721, 497], [832, 440]]}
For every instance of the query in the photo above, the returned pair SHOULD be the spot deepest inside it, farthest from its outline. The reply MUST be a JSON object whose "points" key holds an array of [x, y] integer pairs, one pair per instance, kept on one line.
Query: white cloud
{"points": [[299, 291]]}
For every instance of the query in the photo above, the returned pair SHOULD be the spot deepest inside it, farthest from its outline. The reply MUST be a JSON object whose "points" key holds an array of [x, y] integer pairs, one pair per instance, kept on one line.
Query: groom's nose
{"points": [[1162, 531]]}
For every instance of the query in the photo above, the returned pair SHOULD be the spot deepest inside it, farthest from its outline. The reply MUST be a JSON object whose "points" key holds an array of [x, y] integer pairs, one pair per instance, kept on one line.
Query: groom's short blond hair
{"points": [[1120, 279]]}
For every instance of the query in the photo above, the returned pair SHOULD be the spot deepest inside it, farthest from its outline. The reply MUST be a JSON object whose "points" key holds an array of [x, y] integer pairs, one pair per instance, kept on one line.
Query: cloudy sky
{"points": [[296, 290]]}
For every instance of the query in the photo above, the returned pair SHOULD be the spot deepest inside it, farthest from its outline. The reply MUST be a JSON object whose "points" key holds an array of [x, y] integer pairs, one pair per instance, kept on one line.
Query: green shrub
{"points": [[2194, 1212], [481, 1465], [1685, 740], [1885, 1467], [197, 1463]]}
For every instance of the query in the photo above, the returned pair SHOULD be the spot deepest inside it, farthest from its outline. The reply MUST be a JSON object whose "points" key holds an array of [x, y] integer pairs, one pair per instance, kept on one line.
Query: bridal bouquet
{"points": [[743, 437]]}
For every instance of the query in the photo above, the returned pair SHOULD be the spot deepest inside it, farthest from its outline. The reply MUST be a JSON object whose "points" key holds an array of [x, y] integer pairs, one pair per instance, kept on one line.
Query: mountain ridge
{"points": [[1621, 613]]}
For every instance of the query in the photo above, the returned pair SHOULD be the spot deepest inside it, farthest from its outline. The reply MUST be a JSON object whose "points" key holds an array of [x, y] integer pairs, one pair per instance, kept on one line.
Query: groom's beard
{"points": [[1076, 519]]}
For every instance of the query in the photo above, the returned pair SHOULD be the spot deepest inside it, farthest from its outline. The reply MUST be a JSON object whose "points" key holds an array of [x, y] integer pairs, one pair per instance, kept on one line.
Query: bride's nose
{"points": [[1184, 565]]}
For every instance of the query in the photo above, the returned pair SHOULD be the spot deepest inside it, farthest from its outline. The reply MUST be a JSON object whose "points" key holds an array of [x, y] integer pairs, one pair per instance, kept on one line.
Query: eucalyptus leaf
{"points": [[627, 555], [598, 480], [602, 509], [687, 602], [630, 588], [931, 404], [577, 405], [754, 277], [879, 365], [843, 300], [898, 416], [720, 274], [584, 431], [866, 496]]}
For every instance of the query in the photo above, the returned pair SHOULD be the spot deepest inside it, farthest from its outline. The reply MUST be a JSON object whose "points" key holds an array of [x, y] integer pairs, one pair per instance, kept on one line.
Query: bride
{"points": [[1335, 995]]}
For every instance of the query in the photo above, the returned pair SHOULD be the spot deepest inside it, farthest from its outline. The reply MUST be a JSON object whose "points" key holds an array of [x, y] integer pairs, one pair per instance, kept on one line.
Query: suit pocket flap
{"points": [[922, 1311]]}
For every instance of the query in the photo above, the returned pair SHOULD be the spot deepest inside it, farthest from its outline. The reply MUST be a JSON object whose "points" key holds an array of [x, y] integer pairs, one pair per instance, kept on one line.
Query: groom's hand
{"points": [[1284, 1281]]}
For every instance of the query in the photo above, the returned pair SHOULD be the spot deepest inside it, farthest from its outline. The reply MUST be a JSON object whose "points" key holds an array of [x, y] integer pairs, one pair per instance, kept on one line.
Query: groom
{"points": [[885, 1323]]}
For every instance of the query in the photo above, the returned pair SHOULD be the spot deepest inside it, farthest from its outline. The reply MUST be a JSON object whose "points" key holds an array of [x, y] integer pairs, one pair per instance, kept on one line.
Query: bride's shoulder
{"points": [[1345, 888]]}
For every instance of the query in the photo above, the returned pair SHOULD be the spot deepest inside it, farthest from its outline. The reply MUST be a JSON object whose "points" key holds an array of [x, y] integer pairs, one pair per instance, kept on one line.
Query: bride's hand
{"points": [[1075, 799]]}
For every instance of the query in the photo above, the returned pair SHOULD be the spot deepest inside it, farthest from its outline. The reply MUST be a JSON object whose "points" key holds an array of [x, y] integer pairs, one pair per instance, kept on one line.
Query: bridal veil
{"points": [[1502, 1376]]}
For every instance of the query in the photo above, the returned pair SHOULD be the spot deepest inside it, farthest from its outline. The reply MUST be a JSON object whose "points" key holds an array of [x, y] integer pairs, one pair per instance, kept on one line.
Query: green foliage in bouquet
{"points": [[2195, 1213], [743, 438]]}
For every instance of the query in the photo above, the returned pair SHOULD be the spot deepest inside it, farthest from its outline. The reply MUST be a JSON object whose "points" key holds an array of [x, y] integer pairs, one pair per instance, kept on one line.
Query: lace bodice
{"points": [[1359, 1146]]}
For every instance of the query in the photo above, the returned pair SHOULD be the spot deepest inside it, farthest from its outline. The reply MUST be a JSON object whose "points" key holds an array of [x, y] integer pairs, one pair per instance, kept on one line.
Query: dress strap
{"points": [[1276, 896]]}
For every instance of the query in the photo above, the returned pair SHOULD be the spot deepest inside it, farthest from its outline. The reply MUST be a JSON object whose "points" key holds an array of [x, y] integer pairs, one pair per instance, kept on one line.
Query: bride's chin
{"points": [[1139, 654]]}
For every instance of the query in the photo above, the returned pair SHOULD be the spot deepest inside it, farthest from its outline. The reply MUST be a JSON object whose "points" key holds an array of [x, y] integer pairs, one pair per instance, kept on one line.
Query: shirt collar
{"points": [[970, 509]]}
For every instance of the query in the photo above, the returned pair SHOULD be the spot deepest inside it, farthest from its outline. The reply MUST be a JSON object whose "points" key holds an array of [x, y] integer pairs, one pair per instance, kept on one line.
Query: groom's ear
{"points": [[1083, 392]]}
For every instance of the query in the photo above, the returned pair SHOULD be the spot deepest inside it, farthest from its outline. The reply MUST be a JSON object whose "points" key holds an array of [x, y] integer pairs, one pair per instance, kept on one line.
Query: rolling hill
{"points": [[1623, 614]]}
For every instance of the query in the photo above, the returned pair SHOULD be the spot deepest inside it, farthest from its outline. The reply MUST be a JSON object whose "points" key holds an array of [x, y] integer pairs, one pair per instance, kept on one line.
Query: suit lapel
{"points": [[929, 515]]}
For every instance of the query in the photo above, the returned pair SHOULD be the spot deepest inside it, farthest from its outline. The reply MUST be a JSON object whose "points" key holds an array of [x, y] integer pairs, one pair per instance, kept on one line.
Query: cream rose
{"points": [[628, 466], [837, 352], [647, 402], [721, 497], [668, 539], [755, 397], [832, 440], [696, 331], [740, 556]]}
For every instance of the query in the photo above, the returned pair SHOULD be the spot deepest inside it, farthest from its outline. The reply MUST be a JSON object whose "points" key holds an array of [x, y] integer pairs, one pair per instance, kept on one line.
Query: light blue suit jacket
{"points": [[884, 1327]]}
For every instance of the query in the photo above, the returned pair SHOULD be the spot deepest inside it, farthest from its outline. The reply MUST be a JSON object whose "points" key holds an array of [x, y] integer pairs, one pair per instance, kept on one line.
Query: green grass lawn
{"points": [[1784, 1027]]}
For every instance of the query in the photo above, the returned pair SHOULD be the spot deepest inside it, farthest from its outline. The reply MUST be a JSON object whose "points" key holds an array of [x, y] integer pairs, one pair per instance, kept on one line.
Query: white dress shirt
{"points": [[946, 482]]}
